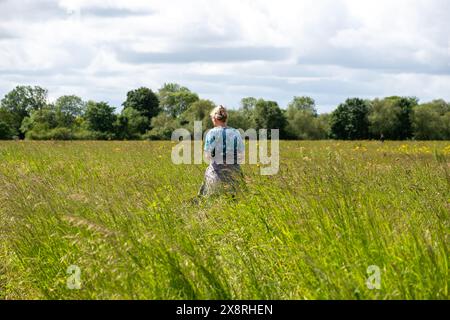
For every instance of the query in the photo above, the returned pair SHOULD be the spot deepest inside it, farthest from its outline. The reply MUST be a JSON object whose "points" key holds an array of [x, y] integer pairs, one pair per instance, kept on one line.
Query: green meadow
{"points": [[121, 214]]}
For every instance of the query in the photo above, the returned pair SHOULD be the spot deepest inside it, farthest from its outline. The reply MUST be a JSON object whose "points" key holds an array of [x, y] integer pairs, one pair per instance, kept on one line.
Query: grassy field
{"points": [[119, 211]]}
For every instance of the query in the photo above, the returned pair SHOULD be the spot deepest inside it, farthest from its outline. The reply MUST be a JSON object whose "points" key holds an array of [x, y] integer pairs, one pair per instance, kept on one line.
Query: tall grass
{"points": [[120, 212]]}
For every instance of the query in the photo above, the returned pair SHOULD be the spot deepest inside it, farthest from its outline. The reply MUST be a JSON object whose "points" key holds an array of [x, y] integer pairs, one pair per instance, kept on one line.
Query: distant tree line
{"points": [[26, 113]]}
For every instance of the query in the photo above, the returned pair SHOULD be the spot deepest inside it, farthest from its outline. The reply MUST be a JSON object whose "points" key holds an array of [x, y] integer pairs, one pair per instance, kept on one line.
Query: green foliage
{"points": [[405, 130], [40, 120], [19, 102], [59, 121], [303, 122], [304, 103], [8, 119], [350, 120], [383, 118], [197, 111], [248, 104], [100, 118], [392, 117], [244, 117], [174, 99], [68, 109], [163, 125], [144, 101], [131, 124], [240, 119], [5, 131], [431, 121], [303, 125], [268, 115], [323, 126], [24, 112], [51, 134]]}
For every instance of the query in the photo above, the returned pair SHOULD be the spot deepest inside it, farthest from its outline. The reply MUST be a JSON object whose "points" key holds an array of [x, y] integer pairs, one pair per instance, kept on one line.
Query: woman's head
{"points": [[219, 115]]}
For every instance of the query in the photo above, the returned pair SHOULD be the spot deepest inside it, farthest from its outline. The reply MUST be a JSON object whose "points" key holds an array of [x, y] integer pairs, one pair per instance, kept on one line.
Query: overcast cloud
{"points": [[226, 50]]}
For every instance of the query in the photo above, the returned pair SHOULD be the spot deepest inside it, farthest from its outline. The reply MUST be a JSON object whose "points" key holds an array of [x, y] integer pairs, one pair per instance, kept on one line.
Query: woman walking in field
{"points": [[224, 149]]}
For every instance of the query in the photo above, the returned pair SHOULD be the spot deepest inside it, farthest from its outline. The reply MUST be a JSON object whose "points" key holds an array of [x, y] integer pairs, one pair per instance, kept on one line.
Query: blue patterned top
{"points": [[224, 143]]}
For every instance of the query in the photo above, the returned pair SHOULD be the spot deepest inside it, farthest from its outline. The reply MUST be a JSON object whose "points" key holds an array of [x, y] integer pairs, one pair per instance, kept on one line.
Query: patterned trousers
{"points": [[221, 178]]}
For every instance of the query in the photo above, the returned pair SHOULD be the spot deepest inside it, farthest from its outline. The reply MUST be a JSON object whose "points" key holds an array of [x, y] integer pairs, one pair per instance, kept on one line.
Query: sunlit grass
{"points": [[121, 212]]}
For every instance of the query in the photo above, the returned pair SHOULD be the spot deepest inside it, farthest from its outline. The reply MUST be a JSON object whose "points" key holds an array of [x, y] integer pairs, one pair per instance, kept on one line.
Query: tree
{"points": [[268, 115], [446, 121], [350, 120], [246, 114], [304, 104], [383, 119], [162, 127], [174, 99], [302, 119], [248, 104], [100, 118], [43, 124], [19, 103], [7, 118], [323, 126], [59, 121], [144, 101], [40, 121], [392, 117], [240, 119], [5, 131], [304, 125], [431, 121], [68, 108], [131, 124], [406, 105], [197, 111]]}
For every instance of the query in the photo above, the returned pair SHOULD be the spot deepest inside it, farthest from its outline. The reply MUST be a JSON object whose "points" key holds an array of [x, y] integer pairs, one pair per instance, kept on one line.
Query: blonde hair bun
{"points": [[219, 113]]}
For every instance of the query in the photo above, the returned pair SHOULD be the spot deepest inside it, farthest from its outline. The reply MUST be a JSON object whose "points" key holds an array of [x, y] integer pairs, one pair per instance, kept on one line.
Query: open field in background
{"points": [[120, 212]]}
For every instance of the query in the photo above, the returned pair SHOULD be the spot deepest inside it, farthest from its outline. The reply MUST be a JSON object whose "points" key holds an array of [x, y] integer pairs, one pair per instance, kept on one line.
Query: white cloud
{"points": [[226, 50]]}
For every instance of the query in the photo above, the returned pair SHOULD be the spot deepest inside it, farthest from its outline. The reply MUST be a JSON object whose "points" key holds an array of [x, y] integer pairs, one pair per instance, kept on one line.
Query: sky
{"points": [[228, 49]]}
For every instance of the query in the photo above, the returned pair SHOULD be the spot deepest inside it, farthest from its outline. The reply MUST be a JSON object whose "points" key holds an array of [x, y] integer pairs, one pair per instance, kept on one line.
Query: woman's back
{"points": [[225, 148], [223, 145]]}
